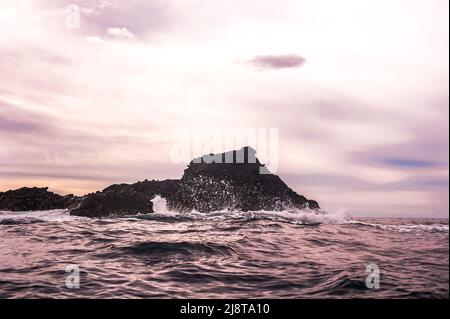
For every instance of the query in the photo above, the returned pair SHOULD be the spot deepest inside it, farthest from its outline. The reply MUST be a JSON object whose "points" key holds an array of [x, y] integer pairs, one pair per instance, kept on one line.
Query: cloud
{"points": [[9, 125], [117, 18], [17, 121], [94, 39], [131, 17], [277, 61], [53, 150], [120, 32], [408, 162]]}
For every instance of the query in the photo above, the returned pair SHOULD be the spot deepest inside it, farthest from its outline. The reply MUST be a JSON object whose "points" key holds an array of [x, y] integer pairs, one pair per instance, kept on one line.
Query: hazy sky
{"points": [[358, 90]]}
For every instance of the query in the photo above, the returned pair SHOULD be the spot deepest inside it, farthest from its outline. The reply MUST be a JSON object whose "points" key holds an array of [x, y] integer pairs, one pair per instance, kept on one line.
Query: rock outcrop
{"points": [[34, 198], [234, 180], [124, 199]]}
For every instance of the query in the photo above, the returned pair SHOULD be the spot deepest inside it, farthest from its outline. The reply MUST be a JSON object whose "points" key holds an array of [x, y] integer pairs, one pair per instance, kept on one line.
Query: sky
{"points": [[358, 91]]}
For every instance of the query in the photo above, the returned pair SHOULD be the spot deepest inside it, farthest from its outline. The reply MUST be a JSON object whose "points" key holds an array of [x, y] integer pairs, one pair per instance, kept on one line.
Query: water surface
{"points": [[221, 255]]}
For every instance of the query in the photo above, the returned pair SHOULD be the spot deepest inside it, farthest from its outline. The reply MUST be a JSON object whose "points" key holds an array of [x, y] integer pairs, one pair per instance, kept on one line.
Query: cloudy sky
{"points": [[357, 89]]}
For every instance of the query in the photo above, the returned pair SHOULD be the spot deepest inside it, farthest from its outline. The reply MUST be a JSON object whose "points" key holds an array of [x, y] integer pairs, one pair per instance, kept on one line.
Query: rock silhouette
{"points": [[34, 198], [124, 199], [234, 180]]}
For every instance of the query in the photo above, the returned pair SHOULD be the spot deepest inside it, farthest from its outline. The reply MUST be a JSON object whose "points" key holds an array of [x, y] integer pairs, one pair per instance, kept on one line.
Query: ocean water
{"points": [[291, 254]]}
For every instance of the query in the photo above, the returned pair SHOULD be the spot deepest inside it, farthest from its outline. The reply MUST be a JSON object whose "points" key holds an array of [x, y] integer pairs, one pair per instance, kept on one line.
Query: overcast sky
{"points": [[358, 90]]}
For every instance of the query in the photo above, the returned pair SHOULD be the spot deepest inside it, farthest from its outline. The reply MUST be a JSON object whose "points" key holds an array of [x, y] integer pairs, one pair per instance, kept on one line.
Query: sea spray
{"points": [[295, 216], [160, 205]]}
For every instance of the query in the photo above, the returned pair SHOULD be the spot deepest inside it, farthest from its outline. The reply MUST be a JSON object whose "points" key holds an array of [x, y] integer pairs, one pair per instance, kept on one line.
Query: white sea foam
{"points": [[407, 228], [297, 216], [56, 215], [160, 205], [293, 216]]}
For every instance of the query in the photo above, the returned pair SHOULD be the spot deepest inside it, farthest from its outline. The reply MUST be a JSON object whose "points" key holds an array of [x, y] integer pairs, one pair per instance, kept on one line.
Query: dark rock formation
{"points": [[113, 203], [234, 180], [124, 199], [26, 199]]}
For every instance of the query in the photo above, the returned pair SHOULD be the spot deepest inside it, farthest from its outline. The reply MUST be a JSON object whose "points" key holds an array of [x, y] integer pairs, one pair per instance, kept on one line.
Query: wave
{"points": [[32, 217], [305, 217], [293, 216], [163, 214], [179, 248], [407, 228]]}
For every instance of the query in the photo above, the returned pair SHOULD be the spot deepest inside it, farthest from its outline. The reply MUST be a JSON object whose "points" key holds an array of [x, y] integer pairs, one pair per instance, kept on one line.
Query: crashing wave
{"points": [[296, 216]]}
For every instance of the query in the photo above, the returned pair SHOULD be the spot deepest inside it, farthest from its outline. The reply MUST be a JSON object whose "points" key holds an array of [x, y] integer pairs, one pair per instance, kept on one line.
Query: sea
{"points": [[224, 254]]}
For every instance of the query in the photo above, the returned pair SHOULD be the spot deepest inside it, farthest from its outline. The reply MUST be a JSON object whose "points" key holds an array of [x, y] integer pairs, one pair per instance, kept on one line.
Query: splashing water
{"points": [[294, 216], [160, 205]]}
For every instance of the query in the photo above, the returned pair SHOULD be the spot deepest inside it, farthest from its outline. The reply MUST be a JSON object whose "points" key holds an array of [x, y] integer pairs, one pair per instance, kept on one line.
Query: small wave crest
{"points": [[408, 228], [32, 217]]}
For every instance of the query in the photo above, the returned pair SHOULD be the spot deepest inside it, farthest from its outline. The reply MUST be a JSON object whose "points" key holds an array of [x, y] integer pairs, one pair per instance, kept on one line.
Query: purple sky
{"points": [[358, 91]]}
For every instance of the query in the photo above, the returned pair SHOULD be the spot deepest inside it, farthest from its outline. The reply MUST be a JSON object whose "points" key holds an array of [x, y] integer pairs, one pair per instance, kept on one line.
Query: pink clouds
{"points": [[278, 61], [116, 18], [82, 108], [120, 32]]}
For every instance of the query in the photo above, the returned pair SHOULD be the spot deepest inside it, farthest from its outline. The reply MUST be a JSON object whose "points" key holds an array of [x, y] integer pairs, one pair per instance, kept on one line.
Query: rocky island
{"points": [[234, 180]]}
